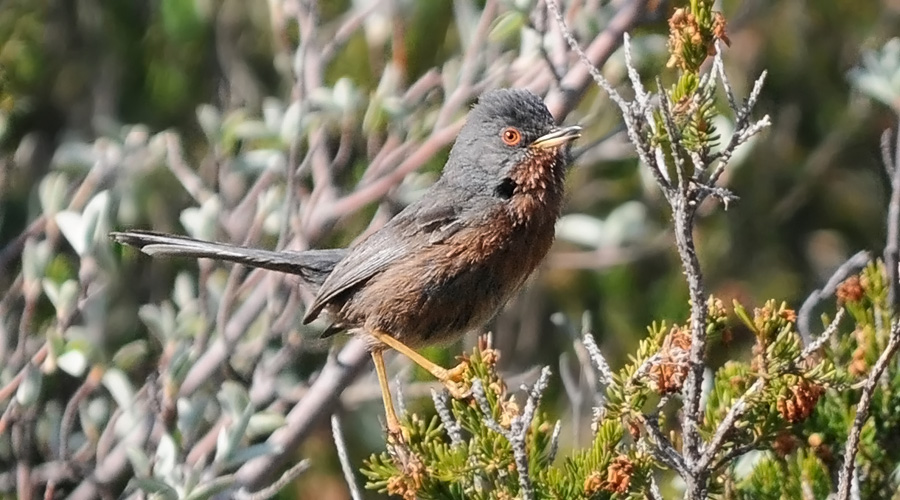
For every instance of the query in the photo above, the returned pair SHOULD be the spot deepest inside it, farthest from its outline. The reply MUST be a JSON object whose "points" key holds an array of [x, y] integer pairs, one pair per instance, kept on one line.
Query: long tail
{"points": [[312, 266]]}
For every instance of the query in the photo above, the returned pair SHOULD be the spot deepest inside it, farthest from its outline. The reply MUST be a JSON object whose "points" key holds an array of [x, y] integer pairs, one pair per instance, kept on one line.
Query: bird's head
{"points": [[510, 145]]}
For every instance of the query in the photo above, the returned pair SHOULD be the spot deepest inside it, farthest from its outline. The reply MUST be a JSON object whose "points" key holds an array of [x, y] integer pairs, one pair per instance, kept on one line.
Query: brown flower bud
{"points": [[592, 483], [618, 475], [850, 290], [668, 373], [798, 403]]}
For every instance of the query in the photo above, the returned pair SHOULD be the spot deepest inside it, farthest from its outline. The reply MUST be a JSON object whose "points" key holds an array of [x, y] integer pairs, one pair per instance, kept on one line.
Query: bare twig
{"points": [[576, 81], [273, 489], [441, 404], [817, 343], [604, 372], [318, 401], [346, 467], [847, 473], [517, 433], [663, 448], [804, 316], [892, 245]]}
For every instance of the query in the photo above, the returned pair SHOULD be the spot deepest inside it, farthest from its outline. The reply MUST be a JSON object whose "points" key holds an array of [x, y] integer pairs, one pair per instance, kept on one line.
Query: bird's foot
{"points": [[455, 381]]}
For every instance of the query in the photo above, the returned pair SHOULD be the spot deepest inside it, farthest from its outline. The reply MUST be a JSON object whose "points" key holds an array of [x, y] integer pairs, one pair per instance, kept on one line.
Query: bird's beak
{"points": [[557, 137]]}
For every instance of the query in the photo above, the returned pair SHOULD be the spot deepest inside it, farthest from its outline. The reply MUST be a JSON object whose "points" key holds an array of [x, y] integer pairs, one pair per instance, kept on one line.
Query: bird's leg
{"points": [[393, 423], [450, 378]]}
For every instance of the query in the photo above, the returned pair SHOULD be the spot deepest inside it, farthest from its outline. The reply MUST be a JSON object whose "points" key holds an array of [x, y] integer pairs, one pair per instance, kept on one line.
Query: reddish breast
{"points": [[447, 289]]}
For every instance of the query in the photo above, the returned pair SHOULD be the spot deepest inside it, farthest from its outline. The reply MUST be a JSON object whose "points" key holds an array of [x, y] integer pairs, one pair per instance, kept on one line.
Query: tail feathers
{"points": [[312, 265]]}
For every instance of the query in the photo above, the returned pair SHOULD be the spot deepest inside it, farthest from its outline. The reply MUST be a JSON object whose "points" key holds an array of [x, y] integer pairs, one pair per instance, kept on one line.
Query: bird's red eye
{"points": [[511, 136]]}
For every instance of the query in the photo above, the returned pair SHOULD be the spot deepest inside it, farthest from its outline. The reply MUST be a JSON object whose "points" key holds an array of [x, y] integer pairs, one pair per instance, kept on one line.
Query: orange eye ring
{"points": [[511, 136]]}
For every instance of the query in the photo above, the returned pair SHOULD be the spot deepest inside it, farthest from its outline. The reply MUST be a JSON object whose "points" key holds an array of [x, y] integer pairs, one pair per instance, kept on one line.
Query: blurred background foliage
{"points": [[812, 190]]}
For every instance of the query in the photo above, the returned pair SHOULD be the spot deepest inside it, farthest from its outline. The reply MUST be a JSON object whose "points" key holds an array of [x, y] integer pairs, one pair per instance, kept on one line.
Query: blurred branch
{"points": [[609, 257], [892, 244], [315, 405], [273, 489], [848, 268], [563, 99]]}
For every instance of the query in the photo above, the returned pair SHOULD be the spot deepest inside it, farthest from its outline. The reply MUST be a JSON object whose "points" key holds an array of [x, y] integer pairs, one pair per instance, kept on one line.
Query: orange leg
{"points": [[450, 378], [393, 423]]}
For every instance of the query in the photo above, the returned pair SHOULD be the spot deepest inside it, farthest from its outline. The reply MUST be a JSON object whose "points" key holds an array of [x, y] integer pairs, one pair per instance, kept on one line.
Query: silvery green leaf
{"points": [[290, 124], [140, 462], [35, 257], [260, 160], [223, 446], [94, 312], [345, 95], [466, 15], [97, 411], [190, 479], [252, 130], [160, 320], [874, 86], [96, 219], [202, 222], [4, 122], [270, 200], [272, 223], [507, 25], [190, 414], [879, 74], [52, 192], [73, 227], [30, 388], [63, 296], [230, 438], [210, 489], [524, 5], [210, 120], [389, 84], [248, 453], [234, 398], [74, 155], [375, 117], [120, 388], [131, 355], [323, 98], [159, 489], [273, 113], [181, 362], [626, 223], [264, 423], [450, 73], [48, 426], [79, 338], [166, 456], [73, 361], [581, 229], [184, 293]]}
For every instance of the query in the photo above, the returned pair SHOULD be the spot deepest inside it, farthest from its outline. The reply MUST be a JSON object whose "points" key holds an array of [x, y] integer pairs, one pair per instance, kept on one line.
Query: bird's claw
{"points": [[455, 381], [397, 436]]}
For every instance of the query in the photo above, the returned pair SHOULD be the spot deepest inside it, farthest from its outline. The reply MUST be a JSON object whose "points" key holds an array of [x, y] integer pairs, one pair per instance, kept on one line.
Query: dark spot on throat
{"points": [[505, 189]]}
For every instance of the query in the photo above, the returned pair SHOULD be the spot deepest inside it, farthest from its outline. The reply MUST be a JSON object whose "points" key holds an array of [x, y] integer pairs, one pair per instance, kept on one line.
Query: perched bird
{"points": [[446, 263]]}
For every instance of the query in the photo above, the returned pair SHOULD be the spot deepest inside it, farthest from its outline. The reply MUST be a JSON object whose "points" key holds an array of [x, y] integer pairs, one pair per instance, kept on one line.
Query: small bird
{"points": [[446, 263]]}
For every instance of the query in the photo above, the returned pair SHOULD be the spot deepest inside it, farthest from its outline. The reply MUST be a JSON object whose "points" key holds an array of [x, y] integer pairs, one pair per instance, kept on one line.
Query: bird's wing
{"points": [[421, 224]]}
